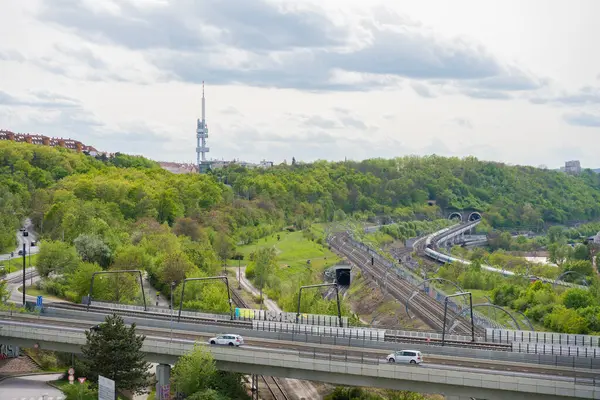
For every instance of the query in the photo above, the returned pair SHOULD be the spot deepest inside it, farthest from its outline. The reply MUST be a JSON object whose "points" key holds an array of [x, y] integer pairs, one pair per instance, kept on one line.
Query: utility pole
{"points": [[24, 265], [30, 275], [172, 287], [239, 273]]}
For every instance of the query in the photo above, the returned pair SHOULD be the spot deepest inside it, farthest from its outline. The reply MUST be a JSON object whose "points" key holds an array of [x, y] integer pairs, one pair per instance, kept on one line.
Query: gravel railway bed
{"points": [[429, 310]]}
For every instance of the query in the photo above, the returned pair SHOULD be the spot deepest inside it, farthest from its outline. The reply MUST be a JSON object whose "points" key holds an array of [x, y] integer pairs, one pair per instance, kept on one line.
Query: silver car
{"points": [[228, 340], [406, 356]]}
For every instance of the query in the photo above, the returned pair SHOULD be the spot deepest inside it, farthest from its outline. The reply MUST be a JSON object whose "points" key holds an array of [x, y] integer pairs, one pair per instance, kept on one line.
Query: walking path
{"points": [[30, 387], [247, 285], [150, 292]]}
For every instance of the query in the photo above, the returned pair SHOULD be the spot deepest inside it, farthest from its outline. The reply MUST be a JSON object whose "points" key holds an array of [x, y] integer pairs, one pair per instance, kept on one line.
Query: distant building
{"points": [[216, 164], [41, 140], [179, 168], [265, 164], [573, 167]]}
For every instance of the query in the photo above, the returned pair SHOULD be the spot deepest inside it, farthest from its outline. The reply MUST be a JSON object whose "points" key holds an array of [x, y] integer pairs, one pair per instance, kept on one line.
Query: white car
{"points": [[406, 356], [231, 340]]}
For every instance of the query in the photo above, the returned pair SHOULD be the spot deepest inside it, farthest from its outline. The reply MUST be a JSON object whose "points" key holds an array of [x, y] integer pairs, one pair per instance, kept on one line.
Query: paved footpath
{"points": [[33, 387]]}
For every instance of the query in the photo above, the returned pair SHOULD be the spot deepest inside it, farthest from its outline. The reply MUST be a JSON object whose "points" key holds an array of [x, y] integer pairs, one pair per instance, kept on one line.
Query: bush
{"points": [[250, 272], [79, 392]]}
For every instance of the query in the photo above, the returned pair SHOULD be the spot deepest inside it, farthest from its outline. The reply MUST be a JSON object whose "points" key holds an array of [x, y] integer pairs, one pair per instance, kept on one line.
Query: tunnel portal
{"points": [[342, 276]]}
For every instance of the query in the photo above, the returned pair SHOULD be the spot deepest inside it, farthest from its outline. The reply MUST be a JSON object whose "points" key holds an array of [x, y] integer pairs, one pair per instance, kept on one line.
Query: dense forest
{"points": [[510, 196]]}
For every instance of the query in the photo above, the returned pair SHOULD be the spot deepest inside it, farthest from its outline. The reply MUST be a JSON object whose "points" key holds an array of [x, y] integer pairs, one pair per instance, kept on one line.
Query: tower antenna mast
{"points": [[201, 136]]}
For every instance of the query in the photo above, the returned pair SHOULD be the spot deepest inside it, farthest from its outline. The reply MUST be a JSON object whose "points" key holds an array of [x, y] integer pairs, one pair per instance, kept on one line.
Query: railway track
{"points": [[146, 314], [428, 309], [19, 278], [272, 383], [389, 337], [274, 388]]}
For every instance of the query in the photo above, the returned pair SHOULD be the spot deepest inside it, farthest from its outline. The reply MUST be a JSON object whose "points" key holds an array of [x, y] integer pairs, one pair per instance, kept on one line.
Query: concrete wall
{"points": [[369, 372]]}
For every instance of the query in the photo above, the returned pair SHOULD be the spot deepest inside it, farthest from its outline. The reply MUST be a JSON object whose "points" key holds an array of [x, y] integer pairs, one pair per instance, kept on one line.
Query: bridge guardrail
{"points": [[508, 336], [315, 330]]}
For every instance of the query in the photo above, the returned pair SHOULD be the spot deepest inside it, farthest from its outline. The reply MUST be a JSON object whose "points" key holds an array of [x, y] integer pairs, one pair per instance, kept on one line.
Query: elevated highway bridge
{"points": [[344, 362]]}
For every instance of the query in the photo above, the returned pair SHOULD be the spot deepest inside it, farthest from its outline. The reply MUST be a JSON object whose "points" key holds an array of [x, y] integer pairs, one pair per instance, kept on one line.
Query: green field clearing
{"points": [[16, 263], [34, 291], [293, 250]]}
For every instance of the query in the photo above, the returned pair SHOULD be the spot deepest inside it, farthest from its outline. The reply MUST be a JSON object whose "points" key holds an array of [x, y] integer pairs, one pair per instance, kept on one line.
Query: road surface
{"points": [[23, 239], [30, 387]]}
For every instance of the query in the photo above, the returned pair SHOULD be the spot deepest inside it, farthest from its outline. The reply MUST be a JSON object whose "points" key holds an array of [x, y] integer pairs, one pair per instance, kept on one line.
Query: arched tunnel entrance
{"points": [[455, 215], [474, 216], [342, 276]]}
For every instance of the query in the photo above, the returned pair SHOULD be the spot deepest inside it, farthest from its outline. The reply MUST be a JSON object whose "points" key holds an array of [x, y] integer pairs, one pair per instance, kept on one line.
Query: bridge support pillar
{"points": [[163, 379], [254, 387]]}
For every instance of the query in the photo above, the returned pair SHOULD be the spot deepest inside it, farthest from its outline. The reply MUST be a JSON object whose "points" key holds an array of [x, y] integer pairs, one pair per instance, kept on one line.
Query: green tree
{"points": [[4, 292], [581, 252], [224, 247], [80, 280], [174, 267], [91, 248], [263, 265], [577, 298], [559, 253], [57, 257], [114, 351], [194, 372], [196, 375]]}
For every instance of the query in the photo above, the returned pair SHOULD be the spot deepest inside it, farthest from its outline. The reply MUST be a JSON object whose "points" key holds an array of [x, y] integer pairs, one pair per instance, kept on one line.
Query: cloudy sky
{"points": [[515, 81]]}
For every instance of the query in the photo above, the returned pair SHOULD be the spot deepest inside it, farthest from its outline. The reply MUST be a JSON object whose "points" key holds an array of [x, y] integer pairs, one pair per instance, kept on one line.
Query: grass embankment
{"points": [[35, 291], [294, 250], [16, 263]]}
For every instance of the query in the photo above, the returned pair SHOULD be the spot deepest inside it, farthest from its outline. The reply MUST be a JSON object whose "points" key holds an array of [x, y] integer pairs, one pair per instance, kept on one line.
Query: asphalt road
{"points": [[30, 387], [23, 239]]}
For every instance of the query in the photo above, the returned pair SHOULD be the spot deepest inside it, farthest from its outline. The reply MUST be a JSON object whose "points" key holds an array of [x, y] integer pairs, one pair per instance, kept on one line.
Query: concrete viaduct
{"points": [[317, 364]]}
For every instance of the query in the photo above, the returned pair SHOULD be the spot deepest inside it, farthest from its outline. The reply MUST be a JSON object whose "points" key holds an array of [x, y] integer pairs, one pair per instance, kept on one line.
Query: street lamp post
{"points": [[30, 274], [239, 273], [172, 287]]}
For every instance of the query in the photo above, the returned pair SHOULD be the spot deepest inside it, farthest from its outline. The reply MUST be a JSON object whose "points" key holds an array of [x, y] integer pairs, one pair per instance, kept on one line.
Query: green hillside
{"points": [[511, 196], [123, 212]]}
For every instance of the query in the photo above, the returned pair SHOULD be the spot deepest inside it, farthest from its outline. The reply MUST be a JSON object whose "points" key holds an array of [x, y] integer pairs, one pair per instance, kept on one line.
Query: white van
{"points": [[405, 356]]}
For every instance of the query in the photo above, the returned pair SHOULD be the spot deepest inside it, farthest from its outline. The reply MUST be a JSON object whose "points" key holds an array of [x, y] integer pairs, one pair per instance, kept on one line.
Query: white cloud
{"points": [[310, 79]]}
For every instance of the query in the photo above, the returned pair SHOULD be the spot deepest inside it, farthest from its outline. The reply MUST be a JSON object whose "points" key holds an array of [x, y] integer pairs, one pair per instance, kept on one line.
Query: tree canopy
{"points": [[114, 351]]}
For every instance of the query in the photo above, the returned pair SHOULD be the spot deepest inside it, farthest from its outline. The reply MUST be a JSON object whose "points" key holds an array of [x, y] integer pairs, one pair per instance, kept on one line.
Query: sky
{"points": [[512, 81]]}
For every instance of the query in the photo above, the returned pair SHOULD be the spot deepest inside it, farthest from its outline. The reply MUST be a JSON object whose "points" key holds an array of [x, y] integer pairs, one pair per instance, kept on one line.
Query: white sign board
{"points": [[106, 388]]}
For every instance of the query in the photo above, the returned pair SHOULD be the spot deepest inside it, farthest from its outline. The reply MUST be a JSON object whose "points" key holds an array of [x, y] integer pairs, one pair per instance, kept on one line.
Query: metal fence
{"points": [[314, 330], [507, 336]]}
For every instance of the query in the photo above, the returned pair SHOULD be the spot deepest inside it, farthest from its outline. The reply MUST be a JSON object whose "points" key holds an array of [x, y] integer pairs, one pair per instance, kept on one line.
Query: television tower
{"points": [[201, 136]]}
